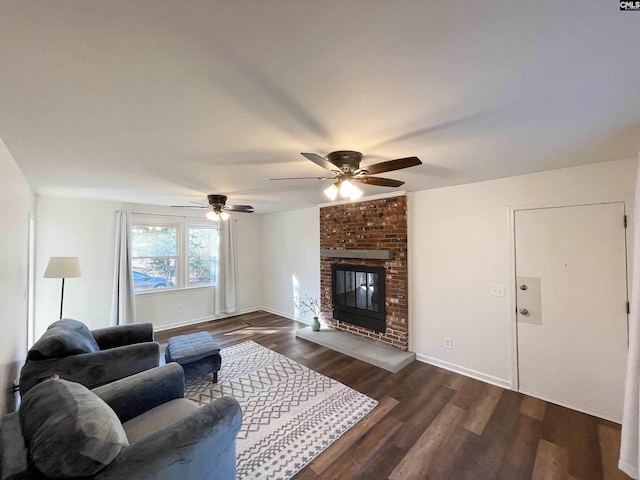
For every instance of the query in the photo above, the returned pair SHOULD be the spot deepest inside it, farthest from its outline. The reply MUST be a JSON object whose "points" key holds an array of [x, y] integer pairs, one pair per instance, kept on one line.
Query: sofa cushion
{"points": [[63, 338], [192, 347], [158, 418], [69, 431]]}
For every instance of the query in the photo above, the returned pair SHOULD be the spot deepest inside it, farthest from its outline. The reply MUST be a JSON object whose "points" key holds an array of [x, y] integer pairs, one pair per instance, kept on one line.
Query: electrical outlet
{"points": [[497, 290], [448, 343], [179, 308]]}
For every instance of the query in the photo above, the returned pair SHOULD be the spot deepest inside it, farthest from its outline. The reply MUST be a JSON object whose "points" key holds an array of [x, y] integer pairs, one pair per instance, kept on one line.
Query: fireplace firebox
{"points": [[358, 295]]}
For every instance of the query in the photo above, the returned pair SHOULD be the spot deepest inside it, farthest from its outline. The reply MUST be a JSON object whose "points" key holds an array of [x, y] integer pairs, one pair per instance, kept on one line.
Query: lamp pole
{"points": [[61, 298]]}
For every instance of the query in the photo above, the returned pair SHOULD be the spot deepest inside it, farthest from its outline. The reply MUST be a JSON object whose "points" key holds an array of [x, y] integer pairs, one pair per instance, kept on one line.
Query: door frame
{"points": [[31, 276], [513, 317]]}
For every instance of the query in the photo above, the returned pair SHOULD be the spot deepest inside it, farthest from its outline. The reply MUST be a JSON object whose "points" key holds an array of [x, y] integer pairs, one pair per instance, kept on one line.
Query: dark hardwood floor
{"points": [[435, 424]]}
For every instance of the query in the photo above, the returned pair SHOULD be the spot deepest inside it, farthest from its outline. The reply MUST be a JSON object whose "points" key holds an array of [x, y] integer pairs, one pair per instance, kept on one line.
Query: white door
{"points": [[571, 306]]}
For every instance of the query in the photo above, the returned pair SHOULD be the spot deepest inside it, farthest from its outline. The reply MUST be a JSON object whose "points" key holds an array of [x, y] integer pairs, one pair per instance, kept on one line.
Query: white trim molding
{"points": [[467, 372], [286, 315], [209, 318], [573, 406]]}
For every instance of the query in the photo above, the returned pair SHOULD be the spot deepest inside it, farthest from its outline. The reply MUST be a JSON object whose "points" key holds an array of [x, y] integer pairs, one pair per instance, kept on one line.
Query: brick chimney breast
{"points": [[370, 225]]}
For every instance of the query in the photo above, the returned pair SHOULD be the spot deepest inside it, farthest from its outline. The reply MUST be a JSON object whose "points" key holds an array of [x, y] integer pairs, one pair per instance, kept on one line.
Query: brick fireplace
{"points": [[371, 233]]}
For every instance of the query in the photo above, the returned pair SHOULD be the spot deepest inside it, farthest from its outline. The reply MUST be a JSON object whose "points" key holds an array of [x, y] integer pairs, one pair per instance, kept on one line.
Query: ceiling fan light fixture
{"points": [[217, 207], [331, 192], [344, 166], [346, 187], [356, 193]]}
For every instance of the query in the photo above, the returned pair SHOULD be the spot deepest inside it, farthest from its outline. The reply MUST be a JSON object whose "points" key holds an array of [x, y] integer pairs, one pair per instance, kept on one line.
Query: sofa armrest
{"points": [[111, 337], [93, 369], [134, 395], [13, 451], [202, 446]]}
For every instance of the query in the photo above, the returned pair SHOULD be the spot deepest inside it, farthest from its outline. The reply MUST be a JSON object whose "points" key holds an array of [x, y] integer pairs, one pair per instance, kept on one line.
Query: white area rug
{"points": [[290, 412]]}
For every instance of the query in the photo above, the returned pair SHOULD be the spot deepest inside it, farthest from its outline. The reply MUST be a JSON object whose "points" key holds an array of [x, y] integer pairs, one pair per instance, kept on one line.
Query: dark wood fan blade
{"points": [[383, 182], [239, 208], [189, 206], [318, 160], [304, 178], [397, 164]]}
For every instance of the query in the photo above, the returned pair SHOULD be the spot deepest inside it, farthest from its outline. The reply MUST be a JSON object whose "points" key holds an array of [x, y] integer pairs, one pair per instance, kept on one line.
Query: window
{"points": [[173, 254], [154, 256], [202, 253]]}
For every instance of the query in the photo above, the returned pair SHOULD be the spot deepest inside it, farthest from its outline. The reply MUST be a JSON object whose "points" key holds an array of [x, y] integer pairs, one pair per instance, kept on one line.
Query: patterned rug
{"points": [[290, 413]]}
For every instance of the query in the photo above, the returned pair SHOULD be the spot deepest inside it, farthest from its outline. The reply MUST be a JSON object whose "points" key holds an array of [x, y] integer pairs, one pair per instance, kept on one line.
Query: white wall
{"points": [[197, 304], [460, 243], [86, 229], [173, 308], [16, 199], [75, 228], [291, 259]]}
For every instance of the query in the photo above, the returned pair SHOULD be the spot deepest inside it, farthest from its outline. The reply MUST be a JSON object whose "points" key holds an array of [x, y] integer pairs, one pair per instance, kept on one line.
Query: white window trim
{"points": [[182, 225], [187, 225]]}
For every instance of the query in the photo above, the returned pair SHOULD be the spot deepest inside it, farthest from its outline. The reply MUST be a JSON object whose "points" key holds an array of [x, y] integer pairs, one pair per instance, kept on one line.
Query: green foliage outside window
{"points": [[202, 253], [157, 255], [154, 252]]}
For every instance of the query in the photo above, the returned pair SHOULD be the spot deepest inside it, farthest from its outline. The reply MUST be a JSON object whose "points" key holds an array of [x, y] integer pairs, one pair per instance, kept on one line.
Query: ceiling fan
{"points": [[345, 166], [218, 207]]}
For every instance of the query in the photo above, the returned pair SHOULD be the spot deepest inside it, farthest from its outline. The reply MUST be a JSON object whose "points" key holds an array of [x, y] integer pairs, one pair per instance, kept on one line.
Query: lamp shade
{"points": [[62, 267]]}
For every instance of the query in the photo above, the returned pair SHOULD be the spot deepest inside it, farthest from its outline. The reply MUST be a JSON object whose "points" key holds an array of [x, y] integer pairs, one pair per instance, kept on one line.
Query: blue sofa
{"points": [[89, 357], [139, 428]]}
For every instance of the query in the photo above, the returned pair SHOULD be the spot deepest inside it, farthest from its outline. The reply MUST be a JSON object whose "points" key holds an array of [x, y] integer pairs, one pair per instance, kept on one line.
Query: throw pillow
{"points": [[69, 431], [63, 338]]}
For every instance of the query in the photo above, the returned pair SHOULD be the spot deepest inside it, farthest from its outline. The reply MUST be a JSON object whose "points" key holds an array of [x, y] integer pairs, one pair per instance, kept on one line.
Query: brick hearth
{"points": [[371, 225]]}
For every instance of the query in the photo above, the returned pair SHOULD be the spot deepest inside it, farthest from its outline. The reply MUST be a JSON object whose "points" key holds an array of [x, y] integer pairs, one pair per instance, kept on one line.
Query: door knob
{"points": [[524, 311], [523, 287]]}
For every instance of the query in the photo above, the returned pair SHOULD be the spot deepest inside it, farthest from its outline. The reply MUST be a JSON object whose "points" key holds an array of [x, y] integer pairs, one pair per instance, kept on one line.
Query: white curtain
{"points": [[629, 450], [225, 296], [123, 306]]}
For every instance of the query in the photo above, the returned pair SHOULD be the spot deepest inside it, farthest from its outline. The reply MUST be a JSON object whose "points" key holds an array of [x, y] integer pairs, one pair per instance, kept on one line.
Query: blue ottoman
{"points": [[197, 353]]}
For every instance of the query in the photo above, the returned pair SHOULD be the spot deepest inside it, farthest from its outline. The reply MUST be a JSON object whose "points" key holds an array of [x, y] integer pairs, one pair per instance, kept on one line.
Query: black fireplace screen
{"points": [[358, 295]]}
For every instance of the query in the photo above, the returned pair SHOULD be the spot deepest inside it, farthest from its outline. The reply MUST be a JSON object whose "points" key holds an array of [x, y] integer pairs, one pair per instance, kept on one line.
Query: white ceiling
{"points": [[164, 101]]}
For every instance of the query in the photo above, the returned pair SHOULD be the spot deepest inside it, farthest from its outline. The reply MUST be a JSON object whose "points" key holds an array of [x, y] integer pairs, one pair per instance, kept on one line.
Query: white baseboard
{"points": [[184, 323], [242, 311], [277, 312], [285, 315], [195, 321], [467, 372], [573, 406]]}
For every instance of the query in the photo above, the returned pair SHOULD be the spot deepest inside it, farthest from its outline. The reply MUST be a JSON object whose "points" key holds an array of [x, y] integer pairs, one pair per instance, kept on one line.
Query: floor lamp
{"points": [[62, 267]]}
